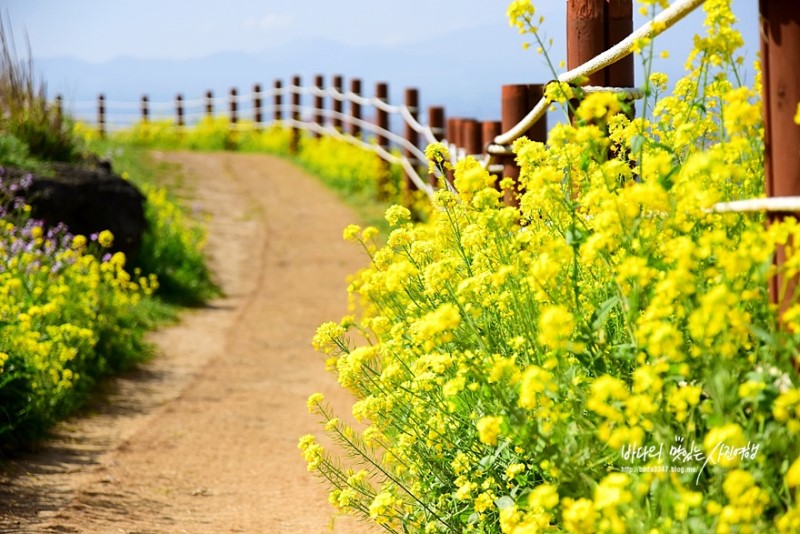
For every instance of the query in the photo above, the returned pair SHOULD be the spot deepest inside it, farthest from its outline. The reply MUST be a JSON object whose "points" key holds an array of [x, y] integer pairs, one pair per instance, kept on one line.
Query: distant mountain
{"points": [[462, 71]]}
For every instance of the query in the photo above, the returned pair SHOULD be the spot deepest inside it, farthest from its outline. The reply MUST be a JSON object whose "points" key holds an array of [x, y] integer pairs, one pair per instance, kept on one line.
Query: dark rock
{"points": [[88, 198]]}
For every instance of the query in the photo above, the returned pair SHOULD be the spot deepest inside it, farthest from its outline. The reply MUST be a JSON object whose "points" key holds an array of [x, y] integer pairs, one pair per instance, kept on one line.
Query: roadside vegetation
{"points": [[73, 310]]}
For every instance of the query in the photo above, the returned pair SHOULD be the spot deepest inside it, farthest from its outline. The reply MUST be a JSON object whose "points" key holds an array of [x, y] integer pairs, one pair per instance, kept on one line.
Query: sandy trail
{"points": [[204, 438]]}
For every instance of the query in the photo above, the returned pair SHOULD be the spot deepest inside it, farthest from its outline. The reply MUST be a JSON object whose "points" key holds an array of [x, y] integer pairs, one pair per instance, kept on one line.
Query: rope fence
{"points": [[524, 106]]}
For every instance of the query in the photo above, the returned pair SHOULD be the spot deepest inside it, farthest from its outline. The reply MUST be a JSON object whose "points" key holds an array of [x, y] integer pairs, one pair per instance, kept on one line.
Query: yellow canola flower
{"points": [[488, 429], [79, 242], [314, 401], [579, 515], [543, 496], [351, 232], [599, 106], [720, 437], [105, 239], [792, 476], [381, 507], [556, 324], [397, 215]]}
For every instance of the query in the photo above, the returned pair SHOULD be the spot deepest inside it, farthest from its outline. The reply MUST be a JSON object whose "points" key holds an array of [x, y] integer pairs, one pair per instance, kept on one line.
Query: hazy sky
{"points": [[102, 29], [427, 44], [98, 30]]}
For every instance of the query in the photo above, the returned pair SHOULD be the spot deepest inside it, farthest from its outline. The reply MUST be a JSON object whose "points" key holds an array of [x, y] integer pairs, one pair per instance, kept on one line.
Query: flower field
{"points": [[73, 312], [67, 318], [602, 356]]}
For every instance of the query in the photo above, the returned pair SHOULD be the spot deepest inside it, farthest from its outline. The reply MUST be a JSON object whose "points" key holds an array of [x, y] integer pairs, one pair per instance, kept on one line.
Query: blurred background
{"points": [[457, 52]]}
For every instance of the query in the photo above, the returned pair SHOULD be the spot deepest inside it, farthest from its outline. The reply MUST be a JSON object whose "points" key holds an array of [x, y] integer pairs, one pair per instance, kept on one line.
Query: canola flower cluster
{"points": [[66, 316], [507, 354], [173, 249], [210, 133]]}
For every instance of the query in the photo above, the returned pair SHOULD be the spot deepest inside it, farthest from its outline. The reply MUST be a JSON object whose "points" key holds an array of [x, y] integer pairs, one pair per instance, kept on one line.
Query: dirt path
{"points": [[204, 438]]}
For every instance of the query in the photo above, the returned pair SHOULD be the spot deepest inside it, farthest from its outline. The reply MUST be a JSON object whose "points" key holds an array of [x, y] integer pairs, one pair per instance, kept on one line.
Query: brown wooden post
{"points": [[537, 132], [234, 106], [780, 43], [412, 136], [490, 130], [471, 137], [355, 107], [101, 115], [209, 105], [619, 25], [454, 131], [594, 26], [436, 122], [294, 144], [145, 108], [517, 100], [319, 103], [382, 121], [586, 34], [257, 115], [454, 137], [179, 110], [513, 108], [337, 104], [277, 102]]}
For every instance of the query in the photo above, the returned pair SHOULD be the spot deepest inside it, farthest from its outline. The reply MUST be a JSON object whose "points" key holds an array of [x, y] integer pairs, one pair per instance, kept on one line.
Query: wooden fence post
{"points": [[619, 25], [780, 42], [517, 100], [337, 103], [594, 26], [277, 102], [471, 137], [436, 122], [101, 115], [294, 144], [355, 108], [179, 110], [412, 136], [454, 137], [513, 108], [586, 34], [257, 116], [490, 130], [319, 104], [234, 106], [145, 107], [209, 105], [382, 122]]}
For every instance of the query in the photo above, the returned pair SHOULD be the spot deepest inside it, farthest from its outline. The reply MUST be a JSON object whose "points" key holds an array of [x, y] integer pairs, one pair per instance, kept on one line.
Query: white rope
{"points": [[383, 153], [350, 97], [661, 22], [194, 102], [112, 104], [265, 93], [416, 126], [81, 104], [666, 19], [365, 125], [771, 204]]}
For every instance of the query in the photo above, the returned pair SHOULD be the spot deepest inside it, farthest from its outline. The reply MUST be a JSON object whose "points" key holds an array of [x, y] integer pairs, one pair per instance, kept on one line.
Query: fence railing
{"points": [[600, 36], [596, 42], [600, 40]]}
